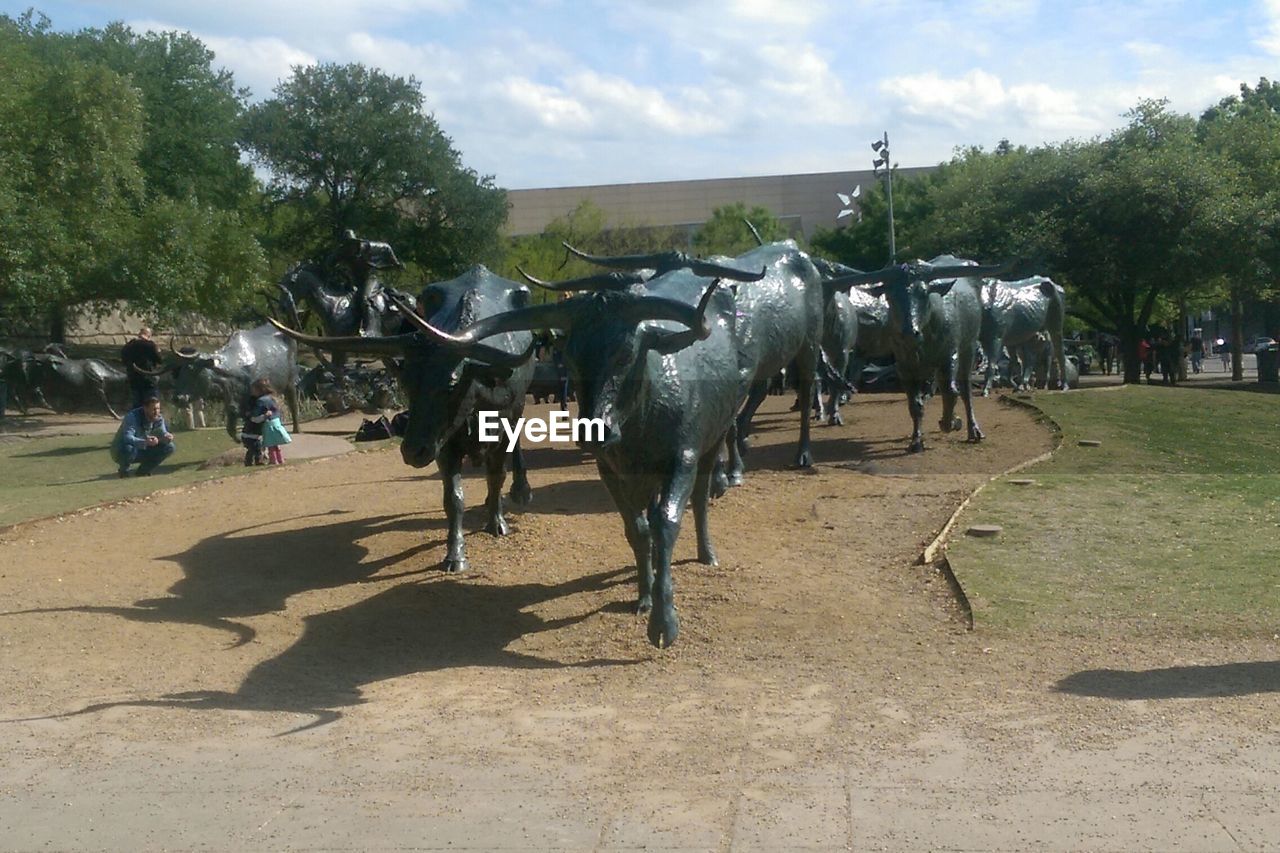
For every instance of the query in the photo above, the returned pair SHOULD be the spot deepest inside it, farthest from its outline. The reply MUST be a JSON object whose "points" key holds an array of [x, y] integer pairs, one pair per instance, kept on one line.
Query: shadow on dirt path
{"points": [[1176, 682]]}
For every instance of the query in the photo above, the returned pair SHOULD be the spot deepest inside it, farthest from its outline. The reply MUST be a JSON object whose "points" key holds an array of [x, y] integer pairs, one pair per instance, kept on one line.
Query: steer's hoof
{"points": [[735, 478], [719, 484], [497, 527], [975, 435], [644, 604], [521, 495], [707, 556], [664, 627], [916, 446], [453, 566], [835, 420], [804, 459]]}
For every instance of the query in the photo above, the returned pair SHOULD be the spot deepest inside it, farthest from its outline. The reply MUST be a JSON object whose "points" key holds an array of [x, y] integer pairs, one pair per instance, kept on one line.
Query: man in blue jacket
{"points": [[143, 437]]}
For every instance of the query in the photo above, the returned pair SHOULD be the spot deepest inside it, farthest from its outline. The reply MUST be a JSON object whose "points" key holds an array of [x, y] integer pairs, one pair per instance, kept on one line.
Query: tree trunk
{"points": [[1237, 339], [1129, 355], [58, 325], [1182, 340]]}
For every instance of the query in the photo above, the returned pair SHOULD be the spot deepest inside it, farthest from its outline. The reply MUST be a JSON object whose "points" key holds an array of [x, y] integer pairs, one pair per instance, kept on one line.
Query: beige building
{"points": [[802, 202]]}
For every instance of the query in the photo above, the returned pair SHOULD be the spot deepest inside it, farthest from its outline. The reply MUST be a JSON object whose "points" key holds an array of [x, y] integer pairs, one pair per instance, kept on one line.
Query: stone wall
{"points": [[115, 327]]}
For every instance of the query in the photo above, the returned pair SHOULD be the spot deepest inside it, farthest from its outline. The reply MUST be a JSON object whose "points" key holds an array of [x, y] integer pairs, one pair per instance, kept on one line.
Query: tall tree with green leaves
{"points": [[727, 231], [1242, 133], [352, 147], [191, 113], [1122, 221], [863, 243], [586, 228], [91, 214]]}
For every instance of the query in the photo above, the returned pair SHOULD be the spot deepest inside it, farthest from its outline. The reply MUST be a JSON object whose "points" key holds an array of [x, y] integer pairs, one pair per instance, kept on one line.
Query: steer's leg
{"points": [[449, 461], [990, 353], [720, 477], [495, 474], [701, 495], [807, 363], [915, 405], [738, 446], [102, 393], [966, 394], [1059, 356], [521, 493], [664, 526], [637, 530], [948, 379], [291, 400]]}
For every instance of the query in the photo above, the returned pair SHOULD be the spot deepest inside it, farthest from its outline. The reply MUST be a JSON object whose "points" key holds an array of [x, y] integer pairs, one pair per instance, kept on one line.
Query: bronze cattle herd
{"points": [[673, 354]]}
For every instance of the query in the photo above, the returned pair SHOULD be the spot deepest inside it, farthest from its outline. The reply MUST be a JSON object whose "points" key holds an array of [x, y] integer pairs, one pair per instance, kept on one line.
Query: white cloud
{"points": [[1270, 42], [549, 106], [981, 98]]}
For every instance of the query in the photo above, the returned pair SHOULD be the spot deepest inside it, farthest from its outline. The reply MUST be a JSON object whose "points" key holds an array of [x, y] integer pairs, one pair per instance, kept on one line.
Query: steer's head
{"points": [[442, 376], [909, 289], [607, 336]]}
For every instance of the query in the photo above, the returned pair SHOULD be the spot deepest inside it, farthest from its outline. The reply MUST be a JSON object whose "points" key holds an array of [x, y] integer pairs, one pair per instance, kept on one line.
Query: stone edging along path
{"points": [[935, 554]]}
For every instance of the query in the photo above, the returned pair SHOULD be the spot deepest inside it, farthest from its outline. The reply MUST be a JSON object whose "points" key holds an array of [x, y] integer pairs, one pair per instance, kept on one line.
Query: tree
{"points": [[1122, 221], [350, 147], [191, 113], [80, 220], [585, 228], [1242, 133], [727, 231], [864, 242]]}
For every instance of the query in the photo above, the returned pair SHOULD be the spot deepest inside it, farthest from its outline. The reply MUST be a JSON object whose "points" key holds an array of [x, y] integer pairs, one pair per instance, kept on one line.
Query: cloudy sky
{"points": [[568, 92]]}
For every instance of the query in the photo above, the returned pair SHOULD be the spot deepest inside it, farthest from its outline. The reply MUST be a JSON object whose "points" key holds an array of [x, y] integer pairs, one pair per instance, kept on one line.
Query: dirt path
{"points": [[273, 662]]}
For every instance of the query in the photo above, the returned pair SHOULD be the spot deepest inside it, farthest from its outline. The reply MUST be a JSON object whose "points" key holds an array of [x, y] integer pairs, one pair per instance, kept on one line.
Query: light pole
{"points": [[881, 148]]}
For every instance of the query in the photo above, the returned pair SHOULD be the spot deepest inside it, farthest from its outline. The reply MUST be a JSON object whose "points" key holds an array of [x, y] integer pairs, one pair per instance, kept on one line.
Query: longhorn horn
{"points": [[387, 345], [754, 232], [475, 351], [617, 280], [182, 355], [668, 342], [664, 262]]}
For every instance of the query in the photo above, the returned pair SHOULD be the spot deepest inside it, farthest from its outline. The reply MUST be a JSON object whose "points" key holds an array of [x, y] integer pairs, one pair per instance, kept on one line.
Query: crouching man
{"points": [[143, 438]]}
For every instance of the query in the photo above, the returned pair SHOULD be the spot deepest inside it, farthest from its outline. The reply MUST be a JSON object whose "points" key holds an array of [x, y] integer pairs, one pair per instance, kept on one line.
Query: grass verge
{"points": [[1171, 526], [55, 475]]}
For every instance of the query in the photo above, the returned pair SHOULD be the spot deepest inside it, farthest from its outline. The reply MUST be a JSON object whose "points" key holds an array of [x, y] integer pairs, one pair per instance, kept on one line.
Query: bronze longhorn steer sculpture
{"points": [[448, 382], [779, 321], [248, 355], [934, 314], [1013, 314], [655, 360]]}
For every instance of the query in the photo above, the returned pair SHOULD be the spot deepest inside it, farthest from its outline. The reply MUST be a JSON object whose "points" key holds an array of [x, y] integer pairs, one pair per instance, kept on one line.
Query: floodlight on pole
{"points": [[881, 147]]}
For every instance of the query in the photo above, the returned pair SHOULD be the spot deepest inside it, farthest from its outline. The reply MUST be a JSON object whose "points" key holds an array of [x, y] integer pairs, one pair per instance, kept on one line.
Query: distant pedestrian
{"points": [[143, 437], [1146, 358], [140, 356], [1224, 352], [1106, 353], [1197, 350], [266, 412]]}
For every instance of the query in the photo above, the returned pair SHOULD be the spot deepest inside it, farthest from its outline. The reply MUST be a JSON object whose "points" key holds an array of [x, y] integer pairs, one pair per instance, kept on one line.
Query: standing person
{"points": [[267, 412], [1197, 350], [251, 430], [1224, 352], [141, 354], [1144, 358], [1106, 352], [143, 437]]}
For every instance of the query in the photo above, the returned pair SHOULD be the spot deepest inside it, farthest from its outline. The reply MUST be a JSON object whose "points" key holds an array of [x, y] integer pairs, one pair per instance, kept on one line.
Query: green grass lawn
{"points": [[47, 476], [1171, 526]]}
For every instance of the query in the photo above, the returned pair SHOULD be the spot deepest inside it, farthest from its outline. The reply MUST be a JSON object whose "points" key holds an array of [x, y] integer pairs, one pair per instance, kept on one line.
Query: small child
{"points": [[267, 413], [251, 432]]}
